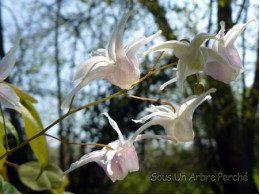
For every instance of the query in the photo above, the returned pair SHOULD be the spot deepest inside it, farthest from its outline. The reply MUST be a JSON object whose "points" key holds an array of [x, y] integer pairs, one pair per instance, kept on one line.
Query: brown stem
{"points": [[12, 164], [83, 107], [151, 99], [82, 144], [156, 61]]}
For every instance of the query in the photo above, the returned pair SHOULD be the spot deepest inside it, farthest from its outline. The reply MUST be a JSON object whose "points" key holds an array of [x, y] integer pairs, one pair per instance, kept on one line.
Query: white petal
{"points": [[131, 49], [7, 63], [119, 50], [148, 136], [99, 52], [234, 32], [88, 65], [181, 74], [143, 127], [115, 126], [98, 73], [199, 39], [93, 156], [147, 117], [168, 83], [189, 106], [115, 43], [165, 108], [179, 48], [182, 129], [8, 97]]}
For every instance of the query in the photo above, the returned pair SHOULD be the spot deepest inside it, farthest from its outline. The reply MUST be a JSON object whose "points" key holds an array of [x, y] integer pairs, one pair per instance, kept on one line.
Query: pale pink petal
{"points": [[124, 74], [130, 157], [219, 67]]}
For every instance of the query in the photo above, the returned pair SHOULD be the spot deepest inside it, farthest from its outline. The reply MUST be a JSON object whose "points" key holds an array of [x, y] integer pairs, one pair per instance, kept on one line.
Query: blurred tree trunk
{"points": [[234, 140], [233, 135], [59, 98]]}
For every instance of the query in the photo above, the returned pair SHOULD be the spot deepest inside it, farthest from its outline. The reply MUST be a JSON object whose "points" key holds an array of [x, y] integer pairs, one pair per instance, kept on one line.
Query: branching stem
{"points": [[70, 112]]}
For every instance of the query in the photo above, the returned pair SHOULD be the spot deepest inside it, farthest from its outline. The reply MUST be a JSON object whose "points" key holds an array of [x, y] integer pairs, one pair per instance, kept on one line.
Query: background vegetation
{"points": [[56, 36]]}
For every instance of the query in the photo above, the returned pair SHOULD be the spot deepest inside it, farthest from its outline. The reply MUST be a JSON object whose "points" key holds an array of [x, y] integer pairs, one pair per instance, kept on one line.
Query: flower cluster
{"points": [[120, 66]]}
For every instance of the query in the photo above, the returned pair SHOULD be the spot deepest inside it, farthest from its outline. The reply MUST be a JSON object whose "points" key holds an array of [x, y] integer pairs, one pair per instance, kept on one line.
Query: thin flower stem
{"points": [[71, 103], [82, 144], [153, 100], [6, 136], [156, 61], [12, 164], [70, 112], [197, 77]]}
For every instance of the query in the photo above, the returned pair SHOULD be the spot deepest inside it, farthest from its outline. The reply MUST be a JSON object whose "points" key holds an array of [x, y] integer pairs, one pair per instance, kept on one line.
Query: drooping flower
{"points": [[224, 46], [178, 125], [117, 162], [117, 64], [190, 56], [8, 97]]}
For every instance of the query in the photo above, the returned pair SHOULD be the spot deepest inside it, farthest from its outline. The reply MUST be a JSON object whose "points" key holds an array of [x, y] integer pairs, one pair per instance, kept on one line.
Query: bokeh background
{"points": [[57, 35]]}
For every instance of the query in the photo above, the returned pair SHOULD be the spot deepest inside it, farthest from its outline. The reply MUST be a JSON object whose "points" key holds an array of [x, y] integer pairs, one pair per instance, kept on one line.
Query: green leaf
{"points": [[10, 128], [7, 188], [2, 148], [22, 94], [51, 177], [33, 125]]}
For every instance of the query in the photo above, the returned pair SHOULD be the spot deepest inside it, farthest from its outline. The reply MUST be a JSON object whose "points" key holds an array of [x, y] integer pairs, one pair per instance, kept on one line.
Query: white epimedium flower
{"points": [[191, 59], [117, 64], [178, 125], [117, 163], [8, 97], [225, 71]]}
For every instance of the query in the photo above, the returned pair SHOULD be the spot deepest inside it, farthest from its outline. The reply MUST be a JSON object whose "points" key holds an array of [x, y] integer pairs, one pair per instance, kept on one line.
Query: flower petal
{"points": [[130, 157], [143, 127], [193, 102], [218, 67], [115, 43], [168, 83], [97, 73], [8, 97], [95, 156], [199, 39], [182, 129], [119, 50], [7, 63], [234, 32], [178, 48], [131, 49], [148, 136], [88, 65], [115, 127]]}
